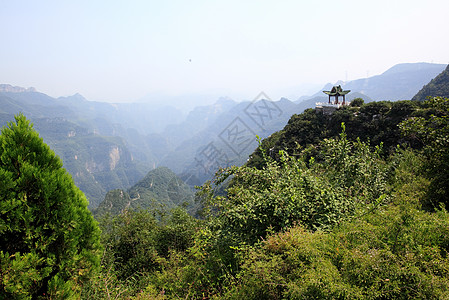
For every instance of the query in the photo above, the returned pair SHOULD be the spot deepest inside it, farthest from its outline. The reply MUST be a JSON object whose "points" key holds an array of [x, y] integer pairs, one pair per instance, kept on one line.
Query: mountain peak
{"points": [[16, 89], [75, 97], [78, 96]]}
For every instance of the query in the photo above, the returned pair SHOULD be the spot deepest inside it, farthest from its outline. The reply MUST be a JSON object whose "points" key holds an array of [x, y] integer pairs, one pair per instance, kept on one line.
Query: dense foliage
{"points": [[394, 253], [332, 216], [432, 129], [137, 245], [337, 219], [49, 241], [317, 194], [373, 123]]}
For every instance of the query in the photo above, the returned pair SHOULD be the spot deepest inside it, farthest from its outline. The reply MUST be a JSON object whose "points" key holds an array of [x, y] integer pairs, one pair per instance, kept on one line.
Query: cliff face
{"points": [[114, 157], [97, 163]]}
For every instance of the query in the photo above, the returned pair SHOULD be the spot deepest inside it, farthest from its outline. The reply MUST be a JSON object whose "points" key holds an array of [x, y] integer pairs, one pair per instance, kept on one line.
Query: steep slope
{"points": [[374, 122], [439, 86], [98, 147], [401, 82], [159, 189], [99, 117], [97, 163]]}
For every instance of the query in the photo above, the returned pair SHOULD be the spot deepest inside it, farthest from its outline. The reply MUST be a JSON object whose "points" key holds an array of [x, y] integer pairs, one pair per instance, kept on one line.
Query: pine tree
{"points": [[49, 241]]}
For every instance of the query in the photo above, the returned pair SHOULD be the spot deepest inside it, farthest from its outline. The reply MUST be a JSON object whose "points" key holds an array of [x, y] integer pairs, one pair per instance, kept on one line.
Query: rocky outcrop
{"points": [[114, 157], [7, 88]]}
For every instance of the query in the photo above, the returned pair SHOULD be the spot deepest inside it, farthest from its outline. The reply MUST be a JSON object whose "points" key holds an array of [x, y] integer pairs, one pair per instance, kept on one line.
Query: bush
{"points": [[345, 177], [432, 130], [139, 245], [395, 253], [357, 102]]}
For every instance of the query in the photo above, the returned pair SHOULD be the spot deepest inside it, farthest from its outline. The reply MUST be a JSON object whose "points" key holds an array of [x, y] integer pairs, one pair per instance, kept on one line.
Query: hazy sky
{"points": [[124, 50]]}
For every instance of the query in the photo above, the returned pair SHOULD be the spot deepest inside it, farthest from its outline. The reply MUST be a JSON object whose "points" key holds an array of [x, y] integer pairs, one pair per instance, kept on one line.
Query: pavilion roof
{"points": [[336, 91]]}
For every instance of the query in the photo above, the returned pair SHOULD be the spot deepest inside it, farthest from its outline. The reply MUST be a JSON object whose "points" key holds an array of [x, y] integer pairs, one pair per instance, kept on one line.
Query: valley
{"points": [[107, 146]]}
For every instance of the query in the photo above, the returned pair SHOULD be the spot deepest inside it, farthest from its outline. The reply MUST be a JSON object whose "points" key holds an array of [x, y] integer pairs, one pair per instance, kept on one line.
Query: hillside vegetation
{"points": [[436, 87], [348, 205], [373, 123], [107, 146], [339, 217], [160, 190], [335, 217]]}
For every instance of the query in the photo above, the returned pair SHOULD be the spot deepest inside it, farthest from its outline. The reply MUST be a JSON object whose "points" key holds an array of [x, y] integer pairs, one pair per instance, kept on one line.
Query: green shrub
{"points": [[345, 178], [392, 254], [432, 129]]}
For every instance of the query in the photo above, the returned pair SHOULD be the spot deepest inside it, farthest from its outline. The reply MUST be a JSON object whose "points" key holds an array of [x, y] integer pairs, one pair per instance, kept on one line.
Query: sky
{"points": [[125, 51]]}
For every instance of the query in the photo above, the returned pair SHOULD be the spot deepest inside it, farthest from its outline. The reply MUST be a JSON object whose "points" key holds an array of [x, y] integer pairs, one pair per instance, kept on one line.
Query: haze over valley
{"points": [[259, 149], [107, 146]]}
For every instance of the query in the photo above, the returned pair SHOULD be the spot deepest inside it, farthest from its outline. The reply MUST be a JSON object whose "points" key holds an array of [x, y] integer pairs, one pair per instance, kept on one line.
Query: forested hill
{"points": [[374, 122], [333, 217], [439, 86], [160, 189]]}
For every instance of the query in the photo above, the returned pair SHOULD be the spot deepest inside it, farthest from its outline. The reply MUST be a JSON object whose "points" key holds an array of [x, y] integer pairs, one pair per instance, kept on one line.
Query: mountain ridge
{"points": [[437, 87], [400, 82], [8, 88], [157, 136]]}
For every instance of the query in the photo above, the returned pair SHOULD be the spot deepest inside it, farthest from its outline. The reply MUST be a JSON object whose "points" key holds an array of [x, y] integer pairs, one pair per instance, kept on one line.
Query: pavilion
{"points": [[336, 92]]}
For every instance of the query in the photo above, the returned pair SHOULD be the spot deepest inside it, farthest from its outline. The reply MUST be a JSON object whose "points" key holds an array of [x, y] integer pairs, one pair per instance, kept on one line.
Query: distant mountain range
{"points": [[15, 89], [190, 158], [400, 82], [108, 146], [229, 139]]}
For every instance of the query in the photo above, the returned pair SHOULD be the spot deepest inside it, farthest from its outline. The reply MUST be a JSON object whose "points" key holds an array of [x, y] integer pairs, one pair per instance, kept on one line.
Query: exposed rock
{"points": [[15, 89], [114, 156]]}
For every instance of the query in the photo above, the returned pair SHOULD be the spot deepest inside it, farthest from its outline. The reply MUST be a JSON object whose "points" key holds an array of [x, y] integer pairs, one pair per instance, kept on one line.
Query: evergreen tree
{"points": [[49, 241]]}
